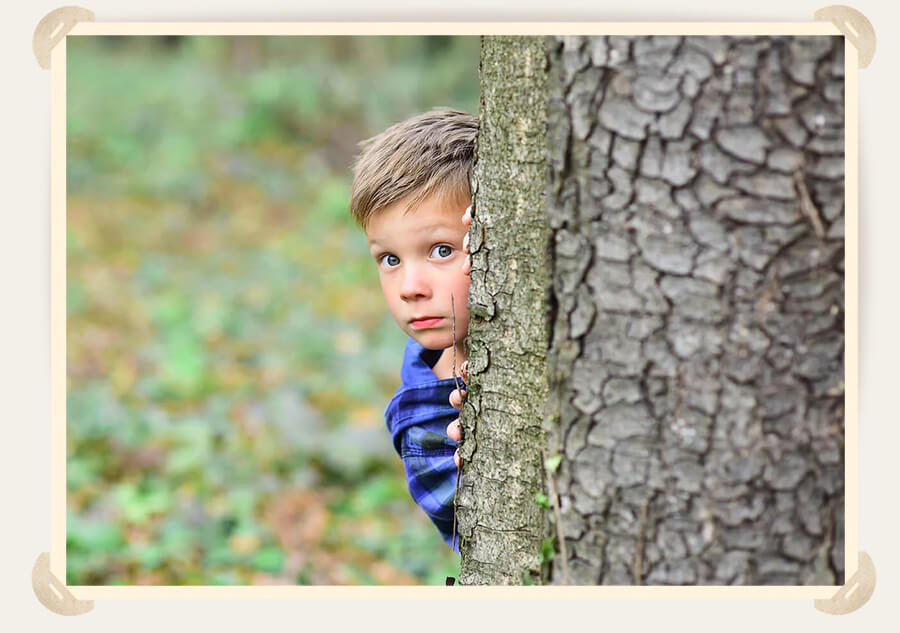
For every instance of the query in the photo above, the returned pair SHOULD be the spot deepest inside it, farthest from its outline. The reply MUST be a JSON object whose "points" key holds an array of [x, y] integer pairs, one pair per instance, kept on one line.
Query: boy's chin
{"points": [[433, 342]]}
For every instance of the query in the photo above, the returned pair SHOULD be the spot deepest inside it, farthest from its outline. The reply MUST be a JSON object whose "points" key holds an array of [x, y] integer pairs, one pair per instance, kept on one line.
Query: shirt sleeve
{"points": [[417, 418], [427, 455]]}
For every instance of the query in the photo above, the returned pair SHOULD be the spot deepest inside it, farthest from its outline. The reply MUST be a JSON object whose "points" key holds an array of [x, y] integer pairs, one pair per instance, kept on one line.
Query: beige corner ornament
{"points": [[52, 592], [55, 26], [855, 593], [855, 27]]}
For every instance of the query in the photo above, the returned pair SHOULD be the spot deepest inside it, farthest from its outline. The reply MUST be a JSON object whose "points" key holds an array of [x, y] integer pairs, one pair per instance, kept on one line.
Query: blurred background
{"points": [[229, 352]]}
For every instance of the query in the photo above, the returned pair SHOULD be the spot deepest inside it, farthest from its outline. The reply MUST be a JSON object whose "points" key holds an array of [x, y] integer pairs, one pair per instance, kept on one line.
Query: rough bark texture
{"points": [[696, 204], [500, 521]]}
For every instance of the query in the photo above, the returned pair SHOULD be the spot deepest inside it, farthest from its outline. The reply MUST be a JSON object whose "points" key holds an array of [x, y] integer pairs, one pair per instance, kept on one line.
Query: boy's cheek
{"points": [[387, 292], [465, 325]]}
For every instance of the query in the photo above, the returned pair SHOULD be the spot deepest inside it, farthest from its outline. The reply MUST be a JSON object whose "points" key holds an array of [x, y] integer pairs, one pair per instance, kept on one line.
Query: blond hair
{"points": [[429, 154]]}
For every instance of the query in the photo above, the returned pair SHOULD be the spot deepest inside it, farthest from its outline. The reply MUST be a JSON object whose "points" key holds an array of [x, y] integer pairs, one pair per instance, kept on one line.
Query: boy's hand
{"points": [[467, 220], [457, 397]]}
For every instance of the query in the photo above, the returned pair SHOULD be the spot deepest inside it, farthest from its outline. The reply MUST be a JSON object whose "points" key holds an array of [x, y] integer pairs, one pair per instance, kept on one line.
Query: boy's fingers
{"points": [[453, 431], [467, 216], [467, 265], [464, 372], [456, 398], [466, 242], [456, 457]]}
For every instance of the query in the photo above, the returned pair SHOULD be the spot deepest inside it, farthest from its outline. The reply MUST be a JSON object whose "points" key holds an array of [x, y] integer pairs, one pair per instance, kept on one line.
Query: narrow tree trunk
{"points": [[500, 520], [696, 205]]}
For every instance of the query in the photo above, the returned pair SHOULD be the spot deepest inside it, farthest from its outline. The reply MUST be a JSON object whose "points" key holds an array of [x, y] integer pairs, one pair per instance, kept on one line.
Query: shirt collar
{"points": [[418, 363]]}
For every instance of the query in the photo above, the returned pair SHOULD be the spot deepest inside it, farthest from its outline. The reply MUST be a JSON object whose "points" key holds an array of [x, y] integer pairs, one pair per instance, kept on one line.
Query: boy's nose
{"points": [[414, 285]]}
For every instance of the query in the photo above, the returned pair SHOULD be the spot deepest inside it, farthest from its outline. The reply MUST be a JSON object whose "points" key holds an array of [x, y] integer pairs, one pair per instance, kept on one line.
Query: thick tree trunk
{"points": [[500, 520], [696, 207], [693, 397]]}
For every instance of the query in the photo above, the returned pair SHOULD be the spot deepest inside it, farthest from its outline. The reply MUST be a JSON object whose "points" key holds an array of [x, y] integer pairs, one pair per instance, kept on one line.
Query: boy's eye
{"points": [[390, 261], [442, 251]]}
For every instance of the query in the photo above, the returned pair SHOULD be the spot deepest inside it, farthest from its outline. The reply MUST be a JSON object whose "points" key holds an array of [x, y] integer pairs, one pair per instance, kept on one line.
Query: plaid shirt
{"points": [[417, 418]]}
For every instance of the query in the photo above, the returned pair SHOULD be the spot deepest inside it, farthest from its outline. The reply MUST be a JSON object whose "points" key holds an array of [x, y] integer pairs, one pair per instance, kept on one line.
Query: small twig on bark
{"points": [[455, 493], [639, 550], [557, 513], [456, 379], [806, 204]]}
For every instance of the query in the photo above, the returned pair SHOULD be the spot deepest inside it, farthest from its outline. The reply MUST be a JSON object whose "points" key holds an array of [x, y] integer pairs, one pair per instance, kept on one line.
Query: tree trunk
{"points": [[500, 520], [696, 204], [695, 364]]}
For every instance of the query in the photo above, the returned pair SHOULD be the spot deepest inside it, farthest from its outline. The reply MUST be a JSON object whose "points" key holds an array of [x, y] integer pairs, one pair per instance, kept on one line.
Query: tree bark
{"points": [[691, 245], [500, 520], [696, 208]]}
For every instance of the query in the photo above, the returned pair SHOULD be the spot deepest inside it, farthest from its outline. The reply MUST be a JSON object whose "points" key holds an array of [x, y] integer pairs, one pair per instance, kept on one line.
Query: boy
{"points": [[410, 187]]}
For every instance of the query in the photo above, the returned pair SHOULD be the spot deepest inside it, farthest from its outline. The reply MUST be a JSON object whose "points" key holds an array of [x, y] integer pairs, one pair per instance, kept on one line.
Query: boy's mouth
{"points": [[425, 323]]}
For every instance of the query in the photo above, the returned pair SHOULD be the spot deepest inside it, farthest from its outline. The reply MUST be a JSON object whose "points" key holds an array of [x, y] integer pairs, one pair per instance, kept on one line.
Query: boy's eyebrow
{"points": [[373, 241], [432, 227]]}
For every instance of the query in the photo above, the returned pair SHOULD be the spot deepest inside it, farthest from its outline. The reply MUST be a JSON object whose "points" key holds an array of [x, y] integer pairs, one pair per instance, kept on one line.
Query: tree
{"points": [[692, 423], [500, 522]]}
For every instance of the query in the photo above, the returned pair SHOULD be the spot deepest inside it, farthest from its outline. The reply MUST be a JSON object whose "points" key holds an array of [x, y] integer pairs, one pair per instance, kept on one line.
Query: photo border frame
{"points": [[57, 558]]}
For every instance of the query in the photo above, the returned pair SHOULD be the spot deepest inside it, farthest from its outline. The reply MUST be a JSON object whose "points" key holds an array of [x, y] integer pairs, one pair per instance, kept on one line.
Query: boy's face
{"points": [[420, 257]]}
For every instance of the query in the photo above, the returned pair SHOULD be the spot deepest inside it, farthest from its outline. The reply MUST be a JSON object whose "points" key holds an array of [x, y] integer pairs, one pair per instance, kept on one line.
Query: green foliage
{"points": [[138, 502], [552, 463], [269, 560], [229, 353], [548, 550], [542, 500]]}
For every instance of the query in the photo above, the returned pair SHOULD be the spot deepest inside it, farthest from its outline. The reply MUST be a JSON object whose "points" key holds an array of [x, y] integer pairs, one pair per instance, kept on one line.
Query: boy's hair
{"points": [[432, 153]]}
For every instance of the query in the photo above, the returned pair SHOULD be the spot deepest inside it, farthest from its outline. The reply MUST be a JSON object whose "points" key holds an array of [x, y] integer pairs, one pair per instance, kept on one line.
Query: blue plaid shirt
{"points": [[417, 418]]}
